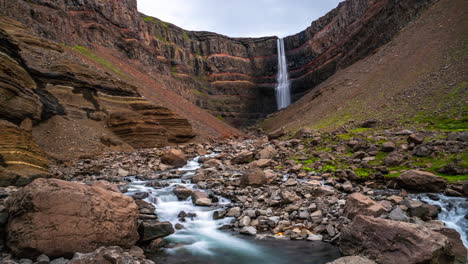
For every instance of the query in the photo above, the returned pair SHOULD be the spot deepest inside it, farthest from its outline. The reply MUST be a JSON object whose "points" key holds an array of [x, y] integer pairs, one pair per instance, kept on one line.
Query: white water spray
{"points": [[283, 94]]}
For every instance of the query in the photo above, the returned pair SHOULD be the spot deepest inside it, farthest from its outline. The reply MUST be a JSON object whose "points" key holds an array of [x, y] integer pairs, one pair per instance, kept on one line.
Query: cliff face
{"points": [[232, 78]]}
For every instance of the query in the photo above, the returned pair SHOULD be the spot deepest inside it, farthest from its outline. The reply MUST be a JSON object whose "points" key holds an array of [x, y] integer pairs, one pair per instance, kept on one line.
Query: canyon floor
{"points": [[266, 193]]}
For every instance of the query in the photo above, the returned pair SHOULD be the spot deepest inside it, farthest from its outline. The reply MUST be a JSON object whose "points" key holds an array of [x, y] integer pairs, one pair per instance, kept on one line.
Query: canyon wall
{"points": [[232, 78]]}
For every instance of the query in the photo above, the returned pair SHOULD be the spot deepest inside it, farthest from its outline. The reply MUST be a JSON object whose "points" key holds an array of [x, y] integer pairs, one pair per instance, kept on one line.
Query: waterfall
{"points": [[283, 94]]}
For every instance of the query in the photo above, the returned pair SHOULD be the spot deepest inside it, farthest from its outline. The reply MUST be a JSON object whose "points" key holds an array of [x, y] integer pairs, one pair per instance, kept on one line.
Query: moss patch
{"points": [[93, 56]]}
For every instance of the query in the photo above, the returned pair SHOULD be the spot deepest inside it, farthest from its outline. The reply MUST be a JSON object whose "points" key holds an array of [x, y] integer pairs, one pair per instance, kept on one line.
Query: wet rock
{"points": [[352, 260], [60, 261], [253, 177], [359, 204], [174, 157], [182, 193], [387, 241], [234, 212], [200, 198], [140, 195], [249, 230], [313, 237], [83, 217], [150, 230], [421, 181]]}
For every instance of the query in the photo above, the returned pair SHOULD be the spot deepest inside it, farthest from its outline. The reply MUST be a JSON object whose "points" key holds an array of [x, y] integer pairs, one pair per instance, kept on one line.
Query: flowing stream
{"points": [[454, 211], [202, 241], [283, 93]]}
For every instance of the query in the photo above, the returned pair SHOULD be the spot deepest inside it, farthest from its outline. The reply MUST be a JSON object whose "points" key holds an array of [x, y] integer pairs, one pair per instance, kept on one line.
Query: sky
{"points": [[239, 18]]}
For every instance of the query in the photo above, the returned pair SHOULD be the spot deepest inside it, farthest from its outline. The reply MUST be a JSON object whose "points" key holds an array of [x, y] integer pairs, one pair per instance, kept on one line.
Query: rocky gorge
{"points": [[351, 188], [118, 141]]}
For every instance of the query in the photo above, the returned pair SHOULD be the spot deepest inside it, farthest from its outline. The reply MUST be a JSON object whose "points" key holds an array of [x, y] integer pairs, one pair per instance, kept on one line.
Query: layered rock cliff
{"points": [[232, 78]]}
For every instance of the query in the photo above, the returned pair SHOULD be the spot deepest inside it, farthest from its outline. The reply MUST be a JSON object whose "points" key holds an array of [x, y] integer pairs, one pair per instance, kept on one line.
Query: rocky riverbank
{"points": [[351, 187]]}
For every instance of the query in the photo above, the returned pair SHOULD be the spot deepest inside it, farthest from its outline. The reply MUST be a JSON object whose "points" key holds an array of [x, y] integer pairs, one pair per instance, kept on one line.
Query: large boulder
{"points": [[174, 157], [200, 198], [390, 242], [359, 204], [254, 177], [151, 230], [59, 218], [421, 181]]}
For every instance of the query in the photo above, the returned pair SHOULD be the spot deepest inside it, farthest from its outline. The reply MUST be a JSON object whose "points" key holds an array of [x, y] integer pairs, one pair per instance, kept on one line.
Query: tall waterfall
{"points": [[283, 94]]}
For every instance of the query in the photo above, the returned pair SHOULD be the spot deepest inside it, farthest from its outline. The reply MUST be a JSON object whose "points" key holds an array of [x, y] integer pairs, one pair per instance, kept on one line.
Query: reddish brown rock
{"points": [[421, 181], [174, 157], [59, 218], [254, 177], [391, 242], [359, 204]]}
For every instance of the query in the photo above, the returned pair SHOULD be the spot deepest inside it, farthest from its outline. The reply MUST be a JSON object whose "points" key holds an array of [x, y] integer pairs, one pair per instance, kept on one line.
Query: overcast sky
{"points": [[239, 18]]}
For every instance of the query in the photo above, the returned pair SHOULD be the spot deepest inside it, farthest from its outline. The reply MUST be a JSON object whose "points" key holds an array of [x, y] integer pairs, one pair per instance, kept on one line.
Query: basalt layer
{"points": [[56, 104], [232, 78]]}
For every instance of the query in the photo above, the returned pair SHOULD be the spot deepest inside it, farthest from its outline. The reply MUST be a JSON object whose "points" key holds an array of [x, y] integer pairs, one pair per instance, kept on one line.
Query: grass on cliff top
{"points": [[93, 56]]}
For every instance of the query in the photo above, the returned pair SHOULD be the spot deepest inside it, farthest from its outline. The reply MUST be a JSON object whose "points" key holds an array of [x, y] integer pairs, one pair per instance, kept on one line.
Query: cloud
{"points": [[239, 18]]}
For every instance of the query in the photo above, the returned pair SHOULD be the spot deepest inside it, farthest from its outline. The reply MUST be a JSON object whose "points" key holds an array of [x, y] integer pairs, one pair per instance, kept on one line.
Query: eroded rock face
{"points": [[22, 160], [387, 241], [206, 65], [421, 181], [59, 218], [70, 103]]}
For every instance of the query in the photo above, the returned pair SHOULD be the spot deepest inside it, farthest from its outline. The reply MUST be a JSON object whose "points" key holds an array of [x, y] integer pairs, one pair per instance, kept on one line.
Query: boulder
{"points": [[107, 255], [249, 230], [174, 157], [182, 193], [254, 177], [352, 260], [267, 153], [421, 181], [83, 217], [261, 163], [150, 230], [200, 198], [389, 242], [243, 157], [359, 204], [416, 138], [276, 134]]}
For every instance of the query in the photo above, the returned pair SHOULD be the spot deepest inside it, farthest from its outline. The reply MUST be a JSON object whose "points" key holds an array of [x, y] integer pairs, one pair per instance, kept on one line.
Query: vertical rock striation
{"points": [[232, 78]]}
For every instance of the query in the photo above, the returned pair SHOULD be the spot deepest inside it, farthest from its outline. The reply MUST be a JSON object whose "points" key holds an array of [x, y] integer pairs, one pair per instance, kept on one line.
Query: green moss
{"points": [[148, 19], [328, 168], [363, 172], [220, 117], [307, 169], [359, 130], [93, 56], [185, 36], [347, 136]]}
